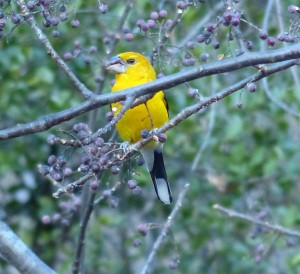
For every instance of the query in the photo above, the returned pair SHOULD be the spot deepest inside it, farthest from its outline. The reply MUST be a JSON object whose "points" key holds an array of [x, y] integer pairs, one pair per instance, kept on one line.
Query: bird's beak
{"points": [[116, 64]]}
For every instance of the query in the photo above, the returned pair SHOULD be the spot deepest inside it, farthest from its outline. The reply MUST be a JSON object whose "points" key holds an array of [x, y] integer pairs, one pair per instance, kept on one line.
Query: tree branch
{"points": [[276, 228], [217, 67], [77, 263], [204, 103], [164, 230], [51, 51], [19, 255]]}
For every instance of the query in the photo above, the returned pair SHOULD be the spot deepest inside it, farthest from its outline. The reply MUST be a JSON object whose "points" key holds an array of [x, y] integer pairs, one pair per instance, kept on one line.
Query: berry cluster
{"points": [[95, 155], [68, 210], [53, 13]]}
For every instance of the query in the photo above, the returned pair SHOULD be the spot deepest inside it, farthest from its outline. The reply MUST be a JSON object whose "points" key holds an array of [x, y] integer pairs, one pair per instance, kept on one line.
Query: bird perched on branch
{"points": [[133, 69]]}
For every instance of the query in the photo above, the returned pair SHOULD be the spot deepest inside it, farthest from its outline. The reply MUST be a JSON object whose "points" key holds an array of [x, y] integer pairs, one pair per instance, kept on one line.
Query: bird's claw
{"points": [[125, 146]]}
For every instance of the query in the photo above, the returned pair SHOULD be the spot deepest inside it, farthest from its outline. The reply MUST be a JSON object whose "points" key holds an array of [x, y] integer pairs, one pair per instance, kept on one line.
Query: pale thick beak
{"points": [[116, 64]]}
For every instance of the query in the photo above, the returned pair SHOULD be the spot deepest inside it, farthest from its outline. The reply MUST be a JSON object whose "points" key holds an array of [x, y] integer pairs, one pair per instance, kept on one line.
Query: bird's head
{"points": [[132, 64]]}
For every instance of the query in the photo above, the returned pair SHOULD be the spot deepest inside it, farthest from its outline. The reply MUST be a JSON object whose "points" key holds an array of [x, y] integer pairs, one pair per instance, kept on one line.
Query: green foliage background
{"points": [[250, 162]]}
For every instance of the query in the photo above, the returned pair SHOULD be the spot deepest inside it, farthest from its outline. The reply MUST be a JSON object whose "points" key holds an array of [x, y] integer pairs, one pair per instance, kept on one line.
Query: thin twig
{"points": [[164, 230], [194, 30], [42, 37], [278, 103], [205, 139], [122, 21], [204, 103], [274, 227], [78, 259], [265, 82], [70, 187]]}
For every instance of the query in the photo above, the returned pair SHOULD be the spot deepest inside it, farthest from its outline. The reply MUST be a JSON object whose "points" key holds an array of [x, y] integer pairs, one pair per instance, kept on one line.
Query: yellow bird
{"points": [[133, 69]]}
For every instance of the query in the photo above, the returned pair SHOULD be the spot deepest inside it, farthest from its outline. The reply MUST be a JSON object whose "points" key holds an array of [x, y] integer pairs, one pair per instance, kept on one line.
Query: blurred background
{"points": [[241, 153]]}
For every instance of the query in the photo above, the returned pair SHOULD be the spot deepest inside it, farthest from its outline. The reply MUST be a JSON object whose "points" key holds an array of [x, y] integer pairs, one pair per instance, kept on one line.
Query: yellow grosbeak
{"points": [[133, 69]]}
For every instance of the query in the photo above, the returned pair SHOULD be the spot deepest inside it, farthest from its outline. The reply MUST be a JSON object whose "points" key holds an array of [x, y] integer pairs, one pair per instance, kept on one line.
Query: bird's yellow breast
{"points": [[153, 114]]}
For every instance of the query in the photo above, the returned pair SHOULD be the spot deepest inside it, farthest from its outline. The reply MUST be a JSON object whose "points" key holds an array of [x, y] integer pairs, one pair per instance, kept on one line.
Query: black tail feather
{"points": [[159, 178]]}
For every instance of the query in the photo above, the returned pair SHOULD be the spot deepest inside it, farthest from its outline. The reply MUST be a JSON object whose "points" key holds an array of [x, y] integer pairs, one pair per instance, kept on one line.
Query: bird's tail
{"points": [[155, 164]]}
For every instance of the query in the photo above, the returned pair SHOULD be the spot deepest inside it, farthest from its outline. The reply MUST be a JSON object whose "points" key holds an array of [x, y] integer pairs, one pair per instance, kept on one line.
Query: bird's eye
{"points": [[130, 61]]}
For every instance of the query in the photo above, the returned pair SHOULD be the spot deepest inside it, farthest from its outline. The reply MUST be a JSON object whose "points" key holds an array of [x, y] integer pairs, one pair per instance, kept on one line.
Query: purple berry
{"points": [[56, 175], [140, 22], [227, 16], [109, 116], [103, 8], [215, 44], [93, 49], [154, 15], [182, 5], [169, 22], [200, 38], [271, 41], [150, 23], [52, 160], [80, 126], [128, 37], [31, 4], [235, 21], [249, 45], [67, 171], [95, 168], [94, 185], [63, 16], [290, 38], [210, 28], [263, 35], [162, 137], [46, 220], [82, 134], [106, 193], [52, 139], [55, 33], [15, 19], [145, 133], [239, 105], [143, 229], [251, 87], [144, 27], [54, 21], [163, 13], [193, 92], [85, 159], [203, 57], [43, 170], [132, 184], [293, 9], [137, 191], [75, 23], [173, 264], [56, 217], [62, 8], [68, 56], [190, 44], [99, 142], [188, 61]]}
